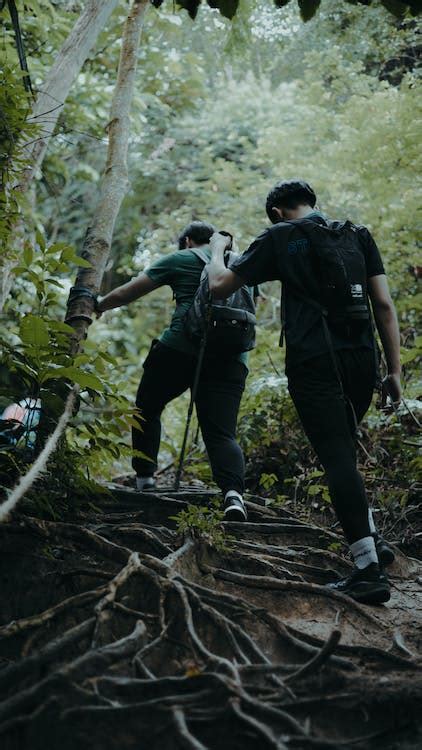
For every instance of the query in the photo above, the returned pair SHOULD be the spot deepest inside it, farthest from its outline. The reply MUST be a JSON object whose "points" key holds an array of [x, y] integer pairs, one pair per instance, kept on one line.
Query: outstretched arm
{"points": [[126, 293], [223, 282], [388, 329]]}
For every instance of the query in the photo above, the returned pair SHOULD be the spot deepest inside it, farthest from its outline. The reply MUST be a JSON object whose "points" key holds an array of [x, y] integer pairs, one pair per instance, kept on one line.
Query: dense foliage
{"points": [[333, 100]]}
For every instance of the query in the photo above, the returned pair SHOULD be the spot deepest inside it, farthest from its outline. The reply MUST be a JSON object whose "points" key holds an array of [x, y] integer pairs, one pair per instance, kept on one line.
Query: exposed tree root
{"points": [[177, 645]]}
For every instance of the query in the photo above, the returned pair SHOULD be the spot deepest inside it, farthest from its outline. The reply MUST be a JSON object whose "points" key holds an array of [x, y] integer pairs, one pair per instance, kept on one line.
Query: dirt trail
{"points": [[117, 633]]}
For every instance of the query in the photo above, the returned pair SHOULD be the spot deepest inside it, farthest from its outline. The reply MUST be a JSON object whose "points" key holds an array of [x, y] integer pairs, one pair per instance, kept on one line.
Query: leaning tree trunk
{"points": [[50, 101], [56, 87], [115, 182], [99, 234]]}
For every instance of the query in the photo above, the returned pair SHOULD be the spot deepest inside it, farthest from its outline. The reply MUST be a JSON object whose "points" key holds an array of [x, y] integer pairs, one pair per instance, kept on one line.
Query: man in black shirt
{"points": [[331, 373]]}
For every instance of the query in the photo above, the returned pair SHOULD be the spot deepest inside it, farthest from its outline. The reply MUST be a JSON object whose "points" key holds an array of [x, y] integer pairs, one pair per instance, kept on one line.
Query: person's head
{"points": [[289, 200], [196, 233]]}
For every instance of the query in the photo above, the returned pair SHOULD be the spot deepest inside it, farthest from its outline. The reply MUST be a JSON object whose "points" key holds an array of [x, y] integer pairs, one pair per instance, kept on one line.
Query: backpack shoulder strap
{"points": [[200, 254], [228, 257]]}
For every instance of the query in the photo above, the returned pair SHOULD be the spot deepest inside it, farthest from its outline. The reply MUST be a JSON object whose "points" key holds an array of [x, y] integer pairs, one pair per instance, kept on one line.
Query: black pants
{"points": [[329, 419], [167, 374]]}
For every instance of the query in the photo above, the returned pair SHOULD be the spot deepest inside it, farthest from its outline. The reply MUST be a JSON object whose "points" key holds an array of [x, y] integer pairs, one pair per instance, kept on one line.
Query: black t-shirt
{"points": [[283, 252]]}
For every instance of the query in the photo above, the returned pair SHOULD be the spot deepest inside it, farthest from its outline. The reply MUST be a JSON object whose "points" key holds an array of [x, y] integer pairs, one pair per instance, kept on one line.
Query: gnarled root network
{"points": [[117, 633]]}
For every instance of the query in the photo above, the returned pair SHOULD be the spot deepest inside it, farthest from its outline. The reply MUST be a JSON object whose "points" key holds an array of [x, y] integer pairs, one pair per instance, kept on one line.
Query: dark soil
{"points": [[117, 633]]}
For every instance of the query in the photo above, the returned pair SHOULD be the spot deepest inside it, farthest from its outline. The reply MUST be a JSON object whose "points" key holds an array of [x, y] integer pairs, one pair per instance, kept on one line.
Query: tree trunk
{"points": [[66, 68], [115, 182], [49, 104]]}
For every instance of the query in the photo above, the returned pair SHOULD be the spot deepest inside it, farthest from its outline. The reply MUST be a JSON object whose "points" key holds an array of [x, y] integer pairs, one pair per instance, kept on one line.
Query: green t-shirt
{"points": [[181, 271]]}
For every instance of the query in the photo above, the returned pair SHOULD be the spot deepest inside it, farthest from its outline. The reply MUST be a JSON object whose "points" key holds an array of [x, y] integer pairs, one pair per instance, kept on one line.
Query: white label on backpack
{"points": [[356, 290]]}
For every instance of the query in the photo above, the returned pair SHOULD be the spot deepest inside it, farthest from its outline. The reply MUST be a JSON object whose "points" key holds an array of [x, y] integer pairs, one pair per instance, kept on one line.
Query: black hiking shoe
{"points": [[234, 509], [369, 586], [144, 484], [385, 553]]}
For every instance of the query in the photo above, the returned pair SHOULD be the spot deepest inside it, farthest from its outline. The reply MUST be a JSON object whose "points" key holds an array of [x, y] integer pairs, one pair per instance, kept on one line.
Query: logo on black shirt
{"points": [[295, 246]]}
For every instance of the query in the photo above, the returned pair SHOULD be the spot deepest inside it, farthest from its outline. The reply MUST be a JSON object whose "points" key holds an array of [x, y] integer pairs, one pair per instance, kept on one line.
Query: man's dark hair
{"points": [[198, 231], [289, 194]]}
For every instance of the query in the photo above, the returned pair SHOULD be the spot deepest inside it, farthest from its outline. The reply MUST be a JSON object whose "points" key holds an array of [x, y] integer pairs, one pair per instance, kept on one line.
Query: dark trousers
{"points": [[329, 418], [167, 374]]}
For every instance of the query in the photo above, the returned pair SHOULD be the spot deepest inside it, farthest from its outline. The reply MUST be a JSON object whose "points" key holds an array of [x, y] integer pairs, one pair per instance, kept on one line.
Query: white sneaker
{"points": [[234, 507], [145, 483]]}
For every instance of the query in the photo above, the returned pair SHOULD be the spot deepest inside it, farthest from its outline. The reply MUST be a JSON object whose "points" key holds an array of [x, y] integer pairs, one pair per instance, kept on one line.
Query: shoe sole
{"points": [[374, 596], [234, 513]]}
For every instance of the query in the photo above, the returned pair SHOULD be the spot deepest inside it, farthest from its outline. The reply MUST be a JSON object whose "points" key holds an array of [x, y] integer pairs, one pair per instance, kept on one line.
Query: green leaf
{"points": [[82, 262], [33, 331], [81, 359], [57, 325], [67, 253], [57, 247], [314, 490], [308, 8], [334, 546], [28, 254], [40, 239], [85, 379], [99, 365], [108, 358]]}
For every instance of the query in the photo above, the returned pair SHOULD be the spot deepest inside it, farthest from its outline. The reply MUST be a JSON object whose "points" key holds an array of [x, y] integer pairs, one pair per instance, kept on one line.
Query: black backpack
{"points": [[228, 325], [339, 266]]}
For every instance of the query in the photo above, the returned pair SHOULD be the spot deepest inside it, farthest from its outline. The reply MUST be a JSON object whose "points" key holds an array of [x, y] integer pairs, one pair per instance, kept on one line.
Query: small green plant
{"points": [[204, 523], [37, 363], [278, 501], [315, 489], [334, 547], [268, 480]]}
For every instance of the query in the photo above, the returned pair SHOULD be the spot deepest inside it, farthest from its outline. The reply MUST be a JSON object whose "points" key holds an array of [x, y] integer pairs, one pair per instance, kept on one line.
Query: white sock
{"points": [[142, 482], [364, 552], [233, 493], [371, 521]]}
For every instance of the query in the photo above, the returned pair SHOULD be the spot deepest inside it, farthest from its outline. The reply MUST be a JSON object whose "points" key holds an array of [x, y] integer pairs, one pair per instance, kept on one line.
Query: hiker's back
{"points": [[181, 270], [222, 326], [337, 264], [324, 265]]}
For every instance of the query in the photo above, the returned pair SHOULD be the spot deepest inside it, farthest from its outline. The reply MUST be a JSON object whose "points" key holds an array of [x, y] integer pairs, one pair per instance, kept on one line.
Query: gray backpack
{"points": [[227, 325]]}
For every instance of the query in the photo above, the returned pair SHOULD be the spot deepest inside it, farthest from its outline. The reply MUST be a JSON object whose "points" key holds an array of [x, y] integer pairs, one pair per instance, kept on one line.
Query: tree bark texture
{"points": [[56, 87], [115, 181], [49, 104]]}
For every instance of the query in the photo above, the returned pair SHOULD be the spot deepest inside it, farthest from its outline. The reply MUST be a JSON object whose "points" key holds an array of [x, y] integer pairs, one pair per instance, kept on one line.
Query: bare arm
{"points": [[388, 329], [222, 281], [126, 293]]}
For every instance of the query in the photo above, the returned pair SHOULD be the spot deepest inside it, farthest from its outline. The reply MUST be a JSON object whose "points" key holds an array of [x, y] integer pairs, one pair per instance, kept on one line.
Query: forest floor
{"points": [[117, 633]]}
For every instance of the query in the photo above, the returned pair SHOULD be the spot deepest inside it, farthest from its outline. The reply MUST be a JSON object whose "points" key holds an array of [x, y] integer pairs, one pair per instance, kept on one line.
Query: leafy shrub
{"points": [[204, 523]]}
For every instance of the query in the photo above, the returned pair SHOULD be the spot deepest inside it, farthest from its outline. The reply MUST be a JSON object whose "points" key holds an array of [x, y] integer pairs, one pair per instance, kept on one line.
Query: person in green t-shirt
{"points": [[169, 371]]}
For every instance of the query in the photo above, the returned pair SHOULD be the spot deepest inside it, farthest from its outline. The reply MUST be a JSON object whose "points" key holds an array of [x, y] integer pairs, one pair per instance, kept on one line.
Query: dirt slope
{"points": [[115, 633]]}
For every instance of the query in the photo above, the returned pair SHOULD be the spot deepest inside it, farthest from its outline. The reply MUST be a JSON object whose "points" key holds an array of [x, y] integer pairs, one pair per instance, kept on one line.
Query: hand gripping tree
{"points": [[97, 243]]}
